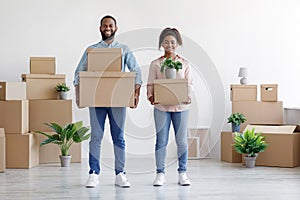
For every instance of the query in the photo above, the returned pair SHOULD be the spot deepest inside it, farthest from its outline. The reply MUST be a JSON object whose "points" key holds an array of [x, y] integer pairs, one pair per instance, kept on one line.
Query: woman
{"points": [[170, 39]]}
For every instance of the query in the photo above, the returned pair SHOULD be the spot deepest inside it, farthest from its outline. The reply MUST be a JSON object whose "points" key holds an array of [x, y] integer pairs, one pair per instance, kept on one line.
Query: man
{"points": [[116, 115]]}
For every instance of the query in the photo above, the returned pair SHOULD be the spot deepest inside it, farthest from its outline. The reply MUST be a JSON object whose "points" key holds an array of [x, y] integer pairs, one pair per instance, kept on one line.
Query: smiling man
{"points": [[116, 115]]}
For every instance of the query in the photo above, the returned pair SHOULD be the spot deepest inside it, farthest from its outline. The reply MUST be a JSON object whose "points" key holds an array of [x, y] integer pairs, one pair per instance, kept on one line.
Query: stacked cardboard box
{"points": [[198, 141], [244, 100], [104, 85], [2, 151]]}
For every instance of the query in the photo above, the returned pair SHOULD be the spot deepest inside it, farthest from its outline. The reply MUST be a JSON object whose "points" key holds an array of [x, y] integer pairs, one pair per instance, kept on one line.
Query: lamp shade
{"points": [[243, 72]]}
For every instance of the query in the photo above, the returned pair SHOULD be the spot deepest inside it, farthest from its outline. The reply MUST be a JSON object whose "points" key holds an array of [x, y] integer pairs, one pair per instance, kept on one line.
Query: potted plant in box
{"points": [[250, 144], [64, 137], [236, 119], [170, 67], [62, 90]]}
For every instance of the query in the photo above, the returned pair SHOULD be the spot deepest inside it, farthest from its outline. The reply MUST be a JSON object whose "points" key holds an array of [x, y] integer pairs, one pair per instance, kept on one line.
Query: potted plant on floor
{"points": [[236, 119], [250, 144], [62, 90], [170, 67], [64, 137]]}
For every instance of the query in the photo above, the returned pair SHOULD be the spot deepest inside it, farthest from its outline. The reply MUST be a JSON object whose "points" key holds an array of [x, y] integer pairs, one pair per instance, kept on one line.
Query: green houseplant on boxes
{"points": [[236, 119], [250, 144], [170, 67], [62, 90], [64, 137]]}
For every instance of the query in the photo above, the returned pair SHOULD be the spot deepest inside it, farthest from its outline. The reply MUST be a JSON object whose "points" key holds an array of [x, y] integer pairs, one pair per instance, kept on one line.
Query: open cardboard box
{"points": [[283, 145]]}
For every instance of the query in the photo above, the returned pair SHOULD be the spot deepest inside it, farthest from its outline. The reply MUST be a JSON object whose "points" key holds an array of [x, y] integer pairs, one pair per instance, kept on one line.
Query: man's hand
{"points": [[77, 96], [136, 95]]}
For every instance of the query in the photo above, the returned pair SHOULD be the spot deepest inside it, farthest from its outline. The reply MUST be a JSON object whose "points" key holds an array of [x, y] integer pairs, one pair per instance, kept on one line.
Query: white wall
{"points": [[262, 35]]}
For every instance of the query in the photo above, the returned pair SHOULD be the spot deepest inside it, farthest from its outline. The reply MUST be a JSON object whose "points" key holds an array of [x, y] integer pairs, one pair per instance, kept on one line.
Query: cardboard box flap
{"points": [[104, 50], [243, 86], [106, 74], [42, 76], [42, 58], [273, 128], [2, 133], [169, 81]]}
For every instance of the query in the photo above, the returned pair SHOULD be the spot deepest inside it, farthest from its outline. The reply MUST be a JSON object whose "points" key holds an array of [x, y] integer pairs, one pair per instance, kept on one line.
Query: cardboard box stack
{"points": [[244, 100], [103, 84], [2, 151], [199, 143]]}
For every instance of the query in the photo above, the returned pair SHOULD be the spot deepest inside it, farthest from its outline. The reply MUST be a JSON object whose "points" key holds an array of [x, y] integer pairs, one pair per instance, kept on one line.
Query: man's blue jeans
{"points": [[116, 118], [162, 124]]}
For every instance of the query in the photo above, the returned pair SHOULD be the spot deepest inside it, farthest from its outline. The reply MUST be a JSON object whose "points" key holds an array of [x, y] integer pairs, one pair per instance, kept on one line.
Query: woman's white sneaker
{"points": [[92, 181], [160, 179], [121, 180], [183, 179]]}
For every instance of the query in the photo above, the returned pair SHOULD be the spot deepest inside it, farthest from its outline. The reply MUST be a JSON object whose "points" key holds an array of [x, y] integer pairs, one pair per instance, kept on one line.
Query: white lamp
{"points": [[243, 72]]}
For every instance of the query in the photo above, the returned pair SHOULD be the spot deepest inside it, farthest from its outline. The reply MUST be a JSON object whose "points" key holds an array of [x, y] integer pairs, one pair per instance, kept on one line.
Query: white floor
{"points": [[211, 179]]}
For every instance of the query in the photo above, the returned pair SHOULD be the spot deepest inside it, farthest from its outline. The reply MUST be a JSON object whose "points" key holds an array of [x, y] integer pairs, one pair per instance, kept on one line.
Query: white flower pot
{"points": [[170, 73], [65, 160], [63, 95]]}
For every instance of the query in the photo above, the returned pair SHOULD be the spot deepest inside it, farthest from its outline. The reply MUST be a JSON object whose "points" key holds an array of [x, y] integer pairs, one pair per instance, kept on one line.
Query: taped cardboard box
{"points": [[47, 111], [104, 59], [171, 91], [12, 91], [2, 151], [22, 151], [228, 153], [14, 116], [258, 112], [106, 89], [49, 153], [283, 145], [194, 147], [42, 65], [268, 92], [243, 92], [203, 134], [42, 86]]}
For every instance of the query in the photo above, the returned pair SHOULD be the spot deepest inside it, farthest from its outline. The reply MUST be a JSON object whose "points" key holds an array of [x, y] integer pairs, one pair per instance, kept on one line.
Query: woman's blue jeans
{"points": [[162, 124], [116, 118]]}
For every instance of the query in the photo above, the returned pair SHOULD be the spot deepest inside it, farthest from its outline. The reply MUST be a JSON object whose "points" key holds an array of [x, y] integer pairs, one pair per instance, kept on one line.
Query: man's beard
{"points": [[108, 38]]}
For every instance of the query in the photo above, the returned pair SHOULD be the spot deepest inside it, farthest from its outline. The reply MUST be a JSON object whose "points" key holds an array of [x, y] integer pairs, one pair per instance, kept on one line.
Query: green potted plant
{"points": [[64, 137], [236, 119], [250, 144], [62, 90], [170, 67]]}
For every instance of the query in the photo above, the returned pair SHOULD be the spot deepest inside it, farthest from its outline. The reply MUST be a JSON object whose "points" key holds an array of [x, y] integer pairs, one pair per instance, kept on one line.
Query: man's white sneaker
{"points": [[183, 179], [92, 181], [160, 179], [121, 181]]}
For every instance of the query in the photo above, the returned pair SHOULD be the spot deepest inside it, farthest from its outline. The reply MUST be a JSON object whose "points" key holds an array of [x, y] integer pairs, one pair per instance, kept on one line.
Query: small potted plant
{"points": [[250, 144], [170, 67], [62, 90], [236, 119], [64, 137]]}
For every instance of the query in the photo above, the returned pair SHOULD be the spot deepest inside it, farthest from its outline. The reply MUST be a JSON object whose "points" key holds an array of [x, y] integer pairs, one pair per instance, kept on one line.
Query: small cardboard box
{"points": [[104, 59], [283, 148], [22, 151], [194, 147], [14, 116], [243, 92], [257, 112], [42, 86], [106, 89], [268, 92], [42, 65], [291, 115], [170, 91], [2, 151], [203, 134], [12, 91], [47, 111], [228, 153], [49, 153]]}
